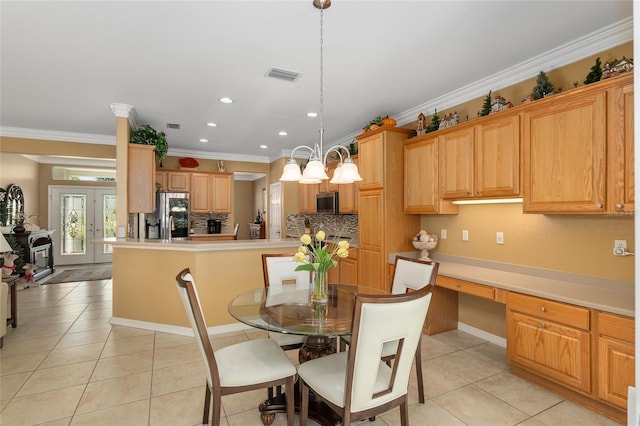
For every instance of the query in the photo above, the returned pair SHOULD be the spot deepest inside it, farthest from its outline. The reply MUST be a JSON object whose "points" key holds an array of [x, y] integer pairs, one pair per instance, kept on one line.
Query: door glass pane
{"points": [[73, 217], [108, 220]]}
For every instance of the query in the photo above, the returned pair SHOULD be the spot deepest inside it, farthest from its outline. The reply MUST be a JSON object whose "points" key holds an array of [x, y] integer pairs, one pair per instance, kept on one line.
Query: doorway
{"points": [[80, 215]]}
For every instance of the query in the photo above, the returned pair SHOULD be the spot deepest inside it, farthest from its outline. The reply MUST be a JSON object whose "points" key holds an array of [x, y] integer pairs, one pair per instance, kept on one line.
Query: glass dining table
{"points": [[287, 309]]}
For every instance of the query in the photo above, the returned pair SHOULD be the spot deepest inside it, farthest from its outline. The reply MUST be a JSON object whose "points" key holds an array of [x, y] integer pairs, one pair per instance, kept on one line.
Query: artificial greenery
{"points": [[435, 122], [486, 105], [353, 147], [147, 135], [595, 74], [17, 249], [543, 86]]}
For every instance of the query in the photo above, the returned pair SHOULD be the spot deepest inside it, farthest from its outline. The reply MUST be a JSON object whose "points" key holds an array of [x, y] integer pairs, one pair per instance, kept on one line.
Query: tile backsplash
{"points": [[199, 220], [344, 223]]}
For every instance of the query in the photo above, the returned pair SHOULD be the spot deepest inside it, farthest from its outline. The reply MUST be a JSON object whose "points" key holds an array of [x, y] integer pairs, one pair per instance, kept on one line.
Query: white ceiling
{"points": [[64, 63]]}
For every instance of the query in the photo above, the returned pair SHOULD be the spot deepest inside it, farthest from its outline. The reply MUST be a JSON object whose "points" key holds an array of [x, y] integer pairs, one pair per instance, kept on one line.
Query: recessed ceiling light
{"points": [[264, 146], [312, 114], [282, 133], [204, 140], [226, 100], [212, 124]]}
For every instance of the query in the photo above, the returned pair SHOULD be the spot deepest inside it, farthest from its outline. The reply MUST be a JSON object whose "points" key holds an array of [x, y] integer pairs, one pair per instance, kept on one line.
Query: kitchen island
{"points": [[144, 284]]}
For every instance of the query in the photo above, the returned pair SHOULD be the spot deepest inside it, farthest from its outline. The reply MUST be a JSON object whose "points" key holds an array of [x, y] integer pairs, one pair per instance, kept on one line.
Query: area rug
{"points": [[92, 273]]}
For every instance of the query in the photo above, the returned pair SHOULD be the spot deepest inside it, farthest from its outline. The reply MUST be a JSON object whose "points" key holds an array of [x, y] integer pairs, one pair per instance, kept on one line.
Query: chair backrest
{"points": [[191, 301], [378, 320], [235, 231], [279, 269], [413, 274]]}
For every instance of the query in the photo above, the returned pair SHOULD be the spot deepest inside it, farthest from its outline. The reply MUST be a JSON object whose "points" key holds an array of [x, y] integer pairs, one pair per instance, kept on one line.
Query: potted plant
{"points": [[147, 135]]}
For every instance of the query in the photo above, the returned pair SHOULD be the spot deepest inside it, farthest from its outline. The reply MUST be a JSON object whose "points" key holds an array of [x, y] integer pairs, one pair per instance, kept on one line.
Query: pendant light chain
{"points": [[321, 80]]}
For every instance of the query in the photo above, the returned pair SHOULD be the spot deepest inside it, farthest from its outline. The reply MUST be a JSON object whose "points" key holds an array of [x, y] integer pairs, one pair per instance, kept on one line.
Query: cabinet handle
{"points": [[458, 285], [598, 206], [541, 325], [618, 206], [542, 309], [468, 192], [478, 193]]}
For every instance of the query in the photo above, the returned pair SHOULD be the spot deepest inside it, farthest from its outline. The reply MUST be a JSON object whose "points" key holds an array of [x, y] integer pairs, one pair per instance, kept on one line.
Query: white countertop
{"points": [[605, 294], [197, 246]]}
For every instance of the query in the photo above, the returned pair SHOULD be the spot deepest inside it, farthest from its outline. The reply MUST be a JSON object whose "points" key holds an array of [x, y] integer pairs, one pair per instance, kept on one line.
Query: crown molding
{"points": [[590, 44], [18, 132], [218, 155], [72, 161], [126, 111]]}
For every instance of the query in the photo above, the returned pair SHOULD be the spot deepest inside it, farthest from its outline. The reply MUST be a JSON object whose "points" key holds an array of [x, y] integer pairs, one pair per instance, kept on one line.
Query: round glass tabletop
{"points": [[287, 309]]}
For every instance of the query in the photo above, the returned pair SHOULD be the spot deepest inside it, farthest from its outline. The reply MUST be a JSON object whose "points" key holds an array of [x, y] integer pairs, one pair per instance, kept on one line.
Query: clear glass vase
{"points": [[320, 287]]}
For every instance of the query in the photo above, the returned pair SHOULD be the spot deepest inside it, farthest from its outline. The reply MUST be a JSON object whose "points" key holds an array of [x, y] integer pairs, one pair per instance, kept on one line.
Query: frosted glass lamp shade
{"points": [[4, 245], [291, 172], [350, 171], [315, 171], [338, 176]]}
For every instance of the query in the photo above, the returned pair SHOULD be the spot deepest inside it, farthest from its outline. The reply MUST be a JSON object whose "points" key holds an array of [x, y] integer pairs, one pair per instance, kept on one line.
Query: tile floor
{"points": [[66, 365]]}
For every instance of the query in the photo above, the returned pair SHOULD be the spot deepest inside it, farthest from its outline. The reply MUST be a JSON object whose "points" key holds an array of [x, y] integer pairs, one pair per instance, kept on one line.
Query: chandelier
{"points": [[315, 171]]}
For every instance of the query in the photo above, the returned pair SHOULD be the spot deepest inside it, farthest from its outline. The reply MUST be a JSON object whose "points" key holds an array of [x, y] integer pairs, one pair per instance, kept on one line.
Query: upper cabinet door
{"points": [[221, 201], [141, 178], [200, 193], [371, 155], [564, 154], [456, 163], [497, 157], [620, 158], [421, 193]]}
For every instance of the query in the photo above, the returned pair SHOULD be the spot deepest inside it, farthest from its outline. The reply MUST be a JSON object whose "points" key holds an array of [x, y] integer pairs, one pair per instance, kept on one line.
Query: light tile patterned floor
{"points": [[66, 365]]}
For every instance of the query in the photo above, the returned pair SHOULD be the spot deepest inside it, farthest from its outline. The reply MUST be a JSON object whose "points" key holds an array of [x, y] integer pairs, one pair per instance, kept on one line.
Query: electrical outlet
{"points": [[465, 235], [499, 237], [443, 234], [619, 247]]}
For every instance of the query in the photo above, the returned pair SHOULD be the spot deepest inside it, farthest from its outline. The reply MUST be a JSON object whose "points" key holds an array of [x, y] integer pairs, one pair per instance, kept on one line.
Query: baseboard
{"points": [[174, 329], [491, 338]]}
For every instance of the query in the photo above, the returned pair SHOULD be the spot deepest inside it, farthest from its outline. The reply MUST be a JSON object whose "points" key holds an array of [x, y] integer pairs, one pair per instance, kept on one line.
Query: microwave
{"points": [[327, 202]]}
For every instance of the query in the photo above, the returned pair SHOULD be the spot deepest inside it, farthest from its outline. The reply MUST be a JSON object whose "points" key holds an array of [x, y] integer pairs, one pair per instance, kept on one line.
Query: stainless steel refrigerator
{"points": [[172, 209]]}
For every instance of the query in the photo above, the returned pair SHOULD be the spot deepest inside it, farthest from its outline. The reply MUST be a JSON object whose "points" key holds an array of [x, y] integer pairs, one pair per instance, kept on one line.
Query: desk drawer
{"points": [[559, 312], [616, 326], [466, 287]]}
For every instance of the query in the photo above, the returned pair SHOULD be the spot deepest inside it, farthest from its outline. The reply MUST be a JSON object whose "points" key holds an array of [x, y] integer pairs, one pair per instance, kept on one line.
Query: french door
{"points": [[80, 215]]}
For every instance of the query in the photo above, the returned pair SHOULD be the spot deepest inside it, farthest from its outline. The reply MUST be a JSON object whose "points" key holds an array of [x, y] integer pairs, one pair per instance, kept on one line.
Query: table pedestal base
{"points": [[313, 347]]}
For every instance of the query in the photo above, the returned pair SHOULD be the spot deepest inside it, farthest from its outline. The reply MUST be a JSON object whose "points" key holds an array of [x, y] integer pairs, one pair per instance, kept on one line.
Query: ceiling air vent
{"points": [[173, 126], [283, 74]]}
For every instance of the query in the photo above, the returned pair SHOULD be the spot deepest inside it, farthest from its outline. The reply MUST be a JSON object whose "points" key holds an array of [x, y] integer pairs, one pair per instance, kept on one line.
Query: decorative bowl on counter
{"points": [[425, 242]]}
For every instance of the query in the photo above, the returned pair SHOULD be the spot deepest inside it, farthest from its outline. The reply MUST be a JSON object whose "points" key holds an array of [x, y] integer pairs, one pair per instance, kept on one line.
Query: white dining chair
{"points": [[357, 384], [410, 274], [254, 364], [279, 270]]}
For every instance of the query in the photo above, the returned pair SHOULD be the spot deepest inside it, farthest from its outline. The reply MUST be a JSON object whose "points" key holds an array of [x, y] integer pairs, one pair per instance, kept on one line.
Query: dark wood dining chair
{"points": [[410, 274], [254, 364], [358, 384]]}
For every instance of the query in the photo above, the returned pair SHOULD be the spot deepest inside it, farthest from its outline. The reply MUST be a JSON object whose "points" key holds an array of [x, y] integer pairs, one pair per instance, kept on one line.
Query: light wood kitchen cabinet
{"points": [[550, 338], [222, 187], [421, 177], [481, 160], [616, 358], [307, 197], [383, 226], [346, 272], [620, 157], [210, 192], [372, 149], [161, 180], [178, 181], [564, 151], [141, 173]]}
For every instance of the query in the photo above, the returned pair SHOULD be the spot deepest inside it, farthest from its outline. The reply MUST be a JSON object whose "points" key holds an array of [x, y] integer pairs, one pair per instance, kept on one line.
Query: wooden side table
{"points": [[12, 280]]}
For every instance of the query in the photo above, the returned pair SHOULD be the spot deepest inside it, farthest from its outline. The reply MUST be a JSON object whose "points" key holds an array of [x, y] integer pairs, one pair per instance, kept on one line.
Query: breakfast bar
{"points": [[144, 284]]}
